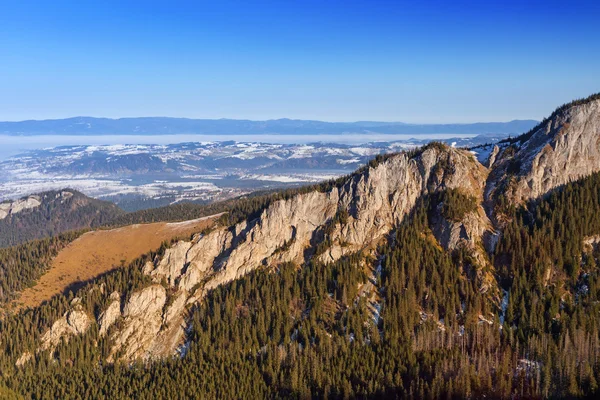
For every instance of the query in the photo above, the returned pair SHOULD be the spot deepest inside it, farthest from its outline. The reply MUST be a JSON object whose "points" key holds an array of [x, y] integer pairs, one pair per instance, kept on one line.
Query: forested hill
{"points": [[50, 213]]}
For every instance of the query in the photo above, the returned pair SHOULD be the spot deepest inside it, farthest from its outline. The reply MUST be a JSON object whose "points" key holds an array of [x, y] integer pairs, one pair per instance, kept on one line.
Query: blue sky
{"points": [[424, 62]]}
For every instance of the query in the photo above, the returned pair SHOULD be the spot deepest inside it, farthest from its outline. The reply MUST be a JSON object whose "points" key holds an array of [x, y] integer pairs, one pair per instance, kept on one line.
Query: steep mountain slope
{"points": [[345, 217], [393, 281], [324, 225], [562, 148], [49, 213]]}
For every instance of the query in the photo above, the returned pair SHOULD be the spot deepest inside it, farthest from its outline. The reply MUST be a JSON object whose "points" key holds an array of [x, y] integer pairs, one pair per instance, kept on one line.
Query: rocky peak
{"points": [[74, 322], [563, 148]]}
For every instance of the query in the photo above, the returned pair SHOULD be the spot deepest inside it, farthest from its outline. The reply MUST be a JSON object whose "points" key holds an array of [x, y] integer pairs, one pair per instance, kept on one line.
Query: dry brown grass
{"points": [[97, 252]]}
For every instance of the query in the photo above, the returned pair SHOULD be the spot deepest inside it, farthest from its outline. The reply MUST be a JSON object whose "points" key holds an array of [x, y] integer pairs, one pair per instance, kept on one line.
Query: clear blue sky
{"points": [[415, 61]]}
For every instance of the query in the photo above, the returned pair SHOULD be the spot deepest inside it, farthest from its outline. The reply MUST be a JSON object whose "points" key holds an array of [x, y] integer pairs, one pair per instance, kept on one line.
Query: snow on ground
{"points": [[185, 167], [101, 187], [503, 307], [482, 153], [302, 152], [365, 151], [350, 161], [203, 176], [291, 178]]}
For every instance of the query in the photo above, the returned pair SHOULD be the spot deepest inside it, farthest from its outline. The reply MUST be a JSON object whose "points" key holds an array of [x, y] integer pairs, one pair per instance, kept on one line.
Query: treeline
{"points": [[22, 265]]}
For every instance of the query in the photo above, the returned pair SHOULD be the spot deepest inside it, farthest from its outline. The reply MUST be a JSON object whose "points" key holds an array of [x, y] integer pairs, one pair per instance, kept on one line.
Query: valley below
{"points": [[137, 176]]}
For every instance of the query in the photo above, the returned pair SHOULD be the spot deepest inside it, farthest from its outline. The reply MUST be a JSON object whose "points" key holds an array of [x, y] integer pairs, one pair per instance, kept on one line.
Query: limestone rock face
{"points": [[201, 256], [372, 201], [142, 320], [468, 232], [492, 158], [74, 322], [14, 207], [564, 148], [172, 263], [109, 316]]}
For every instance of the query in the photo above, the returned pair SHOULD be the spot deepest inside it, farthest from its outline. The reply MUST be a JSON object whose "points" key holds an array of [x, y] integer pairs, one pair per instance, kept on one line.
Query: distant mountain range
{"points": [[169, 126]]}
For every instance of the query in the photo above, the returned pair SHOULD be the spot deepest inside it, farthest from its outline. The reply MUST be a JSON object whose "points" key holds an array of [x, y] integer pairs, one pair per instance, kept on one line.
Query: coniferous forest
{"points": [[310, 331]]}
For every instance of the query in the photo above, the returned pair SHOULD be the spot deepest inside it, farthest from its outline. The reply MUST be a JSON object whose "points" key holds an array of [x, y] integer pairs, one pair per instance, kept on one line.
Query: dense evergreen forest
{"points": [[408, 321]]}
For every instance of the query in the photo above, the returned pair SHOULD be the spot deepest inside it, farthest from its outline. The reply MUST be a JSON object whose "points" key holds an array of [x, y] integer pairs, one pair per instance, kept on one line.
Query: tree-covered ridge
{"points": [[22, 265], [420, 330], [553, 282], [57, 213]]}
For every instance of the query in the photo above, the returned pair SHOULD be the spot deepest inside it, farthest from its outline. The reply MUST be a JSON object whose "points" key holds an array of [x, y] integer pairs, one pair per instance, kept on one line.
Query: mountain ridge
{"points": [[283, 126], [432, 258], [346, 216]]}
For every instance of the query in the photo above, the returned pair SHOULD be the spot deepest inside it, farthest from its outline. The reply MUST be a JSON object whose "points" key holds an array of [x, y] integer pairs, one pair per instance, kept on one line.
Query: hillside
{"points": [[50, 213], [437, 272], [97, 252]]}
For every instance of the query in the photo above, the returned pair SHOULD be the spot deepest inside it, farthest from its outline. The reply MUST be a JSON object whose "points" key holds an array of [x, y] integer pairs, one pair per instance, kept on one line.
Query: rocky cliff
{"points": [[563, 148], [351, 217], [14, 207]]}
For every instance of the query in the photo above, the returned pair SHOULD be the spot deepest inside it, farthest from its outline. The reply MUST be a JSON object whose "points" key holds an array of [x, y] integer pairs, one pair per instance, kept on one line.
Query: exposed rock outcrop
{"points": [[563, 148], [142, 320], [112, 313], [372, 201], [14, 207], [74, 322]]}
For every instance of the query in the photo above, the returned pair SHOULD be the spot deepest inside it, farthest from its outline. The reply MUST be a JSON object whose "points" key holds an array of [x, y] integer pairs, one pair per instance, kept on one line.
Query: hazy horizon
{"points": [[350, 121]]}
